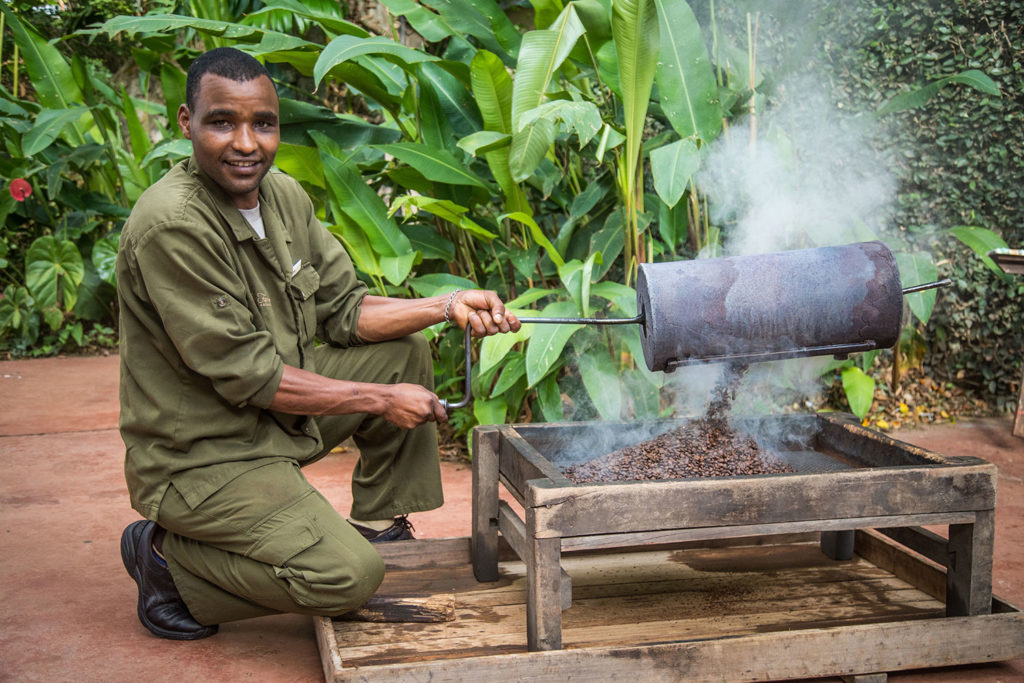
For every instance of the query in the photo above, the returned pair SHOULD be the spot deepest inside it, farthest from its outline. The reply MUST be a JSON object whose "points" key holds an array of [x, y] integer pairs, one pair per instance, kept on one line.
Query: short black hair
{"points": [[221, 61]]}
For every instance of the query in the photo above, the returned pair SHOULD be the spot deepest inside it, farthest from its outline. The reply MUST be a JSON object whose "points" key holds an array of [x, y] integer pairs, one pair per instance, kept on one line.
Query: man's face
{"points": [[234, 133]]}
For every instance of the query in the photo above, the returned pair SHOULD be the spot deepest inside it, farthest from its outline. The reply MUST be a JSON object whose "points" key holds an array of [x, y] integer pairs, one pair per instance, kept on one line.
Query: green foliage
{"points": [[542, 163], [958, 155], [860, 390], [82, 149]]}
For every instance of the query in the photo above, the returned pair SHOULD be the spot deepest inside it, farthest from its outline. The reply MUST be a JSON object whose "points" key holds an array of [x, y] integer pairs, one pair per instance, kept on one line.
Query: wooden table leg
{"points": [[543, 589], [969, 568], [837, 545], [484, 539], [1018, 420]]}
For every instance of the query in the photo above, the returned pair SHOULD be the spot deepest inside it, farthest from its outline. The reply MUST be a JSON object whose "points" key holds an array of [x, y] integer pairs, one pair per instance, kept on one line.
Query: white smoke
{"points": [[808, 178]]}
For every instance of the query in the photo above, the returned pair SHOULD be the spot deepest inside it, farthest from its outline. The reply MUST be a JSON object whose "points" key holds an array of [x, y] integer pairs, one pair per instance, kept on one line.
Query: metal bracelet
{"points": [[448, 306]]}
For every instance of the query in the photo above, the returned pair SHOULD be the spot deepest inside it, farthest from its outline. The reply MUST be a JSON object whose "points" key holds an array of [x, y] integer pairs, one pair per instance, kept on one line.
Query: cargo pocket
{"points": [[286, 541]]}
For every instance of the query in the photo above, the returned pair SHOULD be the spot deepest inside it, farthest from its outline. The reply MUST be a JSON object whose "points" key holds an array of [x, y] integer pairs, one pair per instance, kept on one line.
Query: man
{"points": [[225, 277]]}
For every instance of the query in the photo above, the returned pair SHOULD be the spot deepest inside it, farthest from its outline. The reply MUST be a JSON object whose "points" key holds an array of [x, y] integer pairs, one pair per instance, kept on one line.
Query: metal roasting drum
{"points": [[831, 300], [746, 309]]}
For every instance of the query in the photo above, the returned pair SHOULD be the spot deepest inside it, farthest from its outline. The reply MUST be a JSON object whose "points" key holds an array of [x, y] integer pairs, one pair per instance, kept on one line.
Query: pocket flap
{"points": [[305, 282], [286, 541]]}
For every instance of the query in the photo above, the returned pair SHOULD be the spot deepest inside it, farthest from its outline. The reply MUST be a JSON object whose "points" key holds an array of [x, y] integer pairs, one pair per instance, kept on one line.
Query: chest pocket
{"points": [[305, 282], [302, 287]]}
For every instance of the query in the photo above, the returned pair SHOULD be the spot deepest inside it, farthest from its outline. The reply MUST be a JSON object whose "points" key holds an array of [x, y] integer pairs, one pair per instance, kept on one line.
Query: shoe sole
{"points": [[129, 542]]}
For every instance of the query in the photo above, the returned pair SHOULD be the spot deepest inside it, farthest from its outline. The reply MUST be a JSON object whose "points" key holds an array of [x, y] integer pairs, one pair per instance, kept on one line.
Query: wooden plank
{"points": [[603, 541], [466, 644], [484, 539], [420, 610], [519, 462], [876, 449], [366, 644], [732, 580], [866, 678], [969, 570], [638, 565], [425, 553], [761, 580], [629, 605], [1018, 419], [513, 529], [327, 643], [543, 588], [974, 639], [887, 555], [809, 653], [769, 499], [922, 541]]}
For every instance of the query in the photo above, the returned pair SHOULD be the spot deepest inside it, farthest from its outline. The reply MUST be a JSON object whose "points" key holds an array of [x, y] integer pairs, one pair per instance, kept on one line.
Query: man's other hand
{"points": [[410, 405]]}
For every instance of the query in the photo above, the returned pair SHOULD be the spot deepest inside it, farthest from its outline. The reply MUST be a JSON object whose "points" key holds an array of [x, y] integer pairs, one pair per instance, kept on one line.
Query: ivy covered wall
{"points": [[959, 160]]}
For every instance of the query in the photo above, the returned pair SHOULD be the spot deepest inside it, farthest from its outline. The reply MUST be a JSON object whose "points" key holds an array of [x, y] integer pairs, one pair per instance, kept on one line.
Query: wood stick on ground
{"points": [[385, 609]]}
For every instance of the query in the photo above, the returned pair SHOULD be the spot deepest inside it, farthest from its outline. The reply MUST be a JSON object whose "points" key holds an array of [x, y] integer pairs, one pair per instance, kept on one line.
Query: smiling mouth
{"points": [[242, 164]]}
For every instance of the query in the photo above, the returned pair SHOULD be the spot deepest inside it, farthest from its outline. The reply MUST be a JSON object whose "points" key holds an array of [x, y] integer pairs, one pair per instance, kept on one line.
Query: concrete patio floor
{"points": [[67, 607]]}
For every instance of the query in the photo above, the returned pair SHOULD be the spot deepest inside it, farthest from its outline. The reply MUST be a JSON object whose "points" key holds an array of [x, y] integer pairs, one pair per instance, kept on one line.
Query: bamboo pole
{"points": [[752, 65], [3, 19]]}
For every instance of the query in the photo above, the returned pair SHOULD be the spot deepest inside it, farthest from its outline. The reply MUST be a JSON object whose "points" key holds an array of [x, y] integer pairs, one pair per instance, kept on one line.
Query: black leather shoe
{"points": [[400, 530], [161, 608]]}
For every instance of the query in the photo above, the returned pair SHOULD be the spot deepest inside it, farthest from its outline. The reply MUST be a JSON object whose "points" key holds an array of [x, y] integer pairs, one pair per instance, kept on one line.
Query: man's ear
{"points": [[185, 121]]}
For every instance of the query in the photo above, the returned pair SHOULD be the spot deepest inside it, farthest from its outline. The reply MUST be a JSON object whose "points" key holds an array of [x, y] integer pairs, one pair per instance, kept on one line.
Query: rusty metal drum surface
{"points": [[830, 300]]}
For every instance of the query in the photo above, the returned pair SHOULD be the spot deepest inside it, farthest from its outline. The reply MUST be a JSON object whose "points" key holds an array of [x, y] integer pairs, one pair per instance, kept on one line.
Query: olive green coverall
{"points": [[209, 315]]}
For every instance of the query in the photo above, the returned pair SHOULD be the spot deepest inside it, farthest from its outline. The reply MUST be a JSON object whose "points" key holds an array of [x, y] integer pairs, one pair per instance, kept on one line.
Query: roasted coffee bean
{"points": [[707, 447]]}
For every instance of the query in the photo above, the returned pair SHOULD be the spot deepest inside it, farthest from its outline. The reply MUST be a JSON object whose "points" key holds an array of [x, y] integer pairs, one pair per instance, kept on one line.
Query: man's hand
{"points": [[302, 392], [410, 405], [483, 311]]}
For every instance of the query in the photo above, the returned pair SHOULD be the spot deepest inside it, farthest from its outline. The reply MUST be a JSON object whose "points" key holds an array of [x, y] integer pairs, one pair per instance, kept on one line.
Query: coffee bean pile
{"points": [[707, 447]]}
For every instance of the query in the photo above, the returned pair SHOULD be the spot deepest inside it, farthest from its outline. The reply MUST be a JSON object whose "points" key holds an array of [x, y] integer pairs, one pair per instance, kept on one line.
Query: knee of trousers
{"points": [[413, 351], [333, 579]]}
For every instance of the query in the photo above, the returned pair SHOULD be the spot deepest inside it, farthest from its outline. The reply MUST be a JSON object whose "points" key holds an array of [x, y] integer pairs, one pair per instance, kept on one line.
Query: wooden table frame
{"points": [[899, 489]]}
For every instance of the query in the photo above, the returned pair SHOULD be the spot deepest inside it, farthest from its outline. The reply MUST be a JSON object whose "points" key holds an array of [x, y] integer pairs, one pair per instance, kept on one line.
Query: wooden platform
{"points": [[735, 612]]}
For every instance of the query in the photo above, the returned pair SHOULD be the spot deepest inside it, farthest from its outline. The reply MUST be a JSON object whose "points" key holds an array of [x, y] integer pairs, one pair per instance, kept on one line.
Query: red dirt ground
{"points": [[69, 607]]}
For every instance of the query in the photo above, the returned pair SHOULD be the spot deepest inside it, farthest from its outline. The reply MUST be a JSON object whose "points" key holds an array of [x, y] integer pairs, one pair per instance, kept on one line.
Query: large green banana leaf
{"points": [[686, 82], [345, 48], [548, 341], [428, 24], [918, 268], [437, 165], [48, 126], [52, 77], [453, 97], [541, 54], [331, 23], [492, 89], [672, 166], [635, 28], [363, 208], [483, 20]]}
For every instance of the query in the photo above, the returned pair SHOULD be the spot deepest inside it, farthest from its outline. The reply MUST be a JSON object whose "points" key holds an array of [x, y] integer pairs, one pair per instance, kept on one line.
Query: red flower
{"points": [[20, 189]]}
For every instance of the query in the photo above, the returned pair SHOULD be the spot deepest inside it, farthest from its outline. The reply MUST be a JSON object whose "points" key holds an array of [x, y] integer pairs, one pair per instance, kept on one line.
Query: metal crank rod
{"points": [[930, 285], [467, 387], [637, 320]]}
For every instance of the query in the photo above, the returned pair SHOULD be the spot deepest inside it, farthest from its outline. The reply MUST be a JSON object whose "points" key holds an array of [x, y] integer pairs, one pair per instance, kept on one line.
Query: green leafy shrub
{"points": [[960, 161]]}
